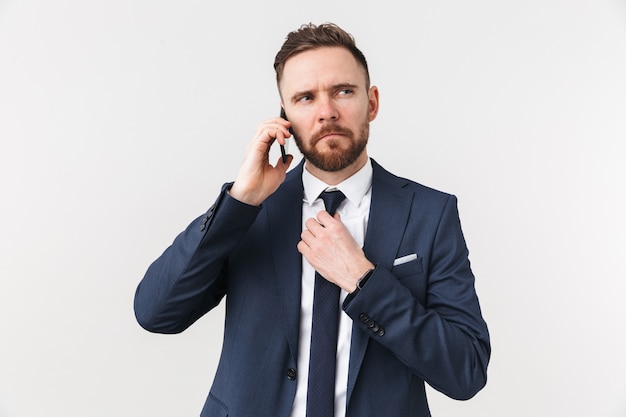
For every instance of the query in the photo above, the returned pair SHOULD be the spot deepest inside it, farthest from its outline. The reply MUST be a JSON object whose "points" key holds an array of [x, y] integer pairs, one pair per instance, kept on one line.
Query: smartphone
{"points": [[283, 152]]}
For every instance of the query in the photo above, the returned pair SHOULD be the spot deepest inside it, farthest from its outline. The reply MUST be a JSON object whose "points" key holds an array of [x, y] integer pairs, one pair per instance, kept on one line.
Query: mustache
{"points": [[330, 129]]}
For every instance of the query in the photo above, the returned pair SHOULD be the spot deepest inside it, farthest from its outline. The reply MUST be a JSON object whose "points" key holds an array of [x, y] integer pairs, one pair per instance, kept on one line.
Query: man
{"points": [[404, 309]]}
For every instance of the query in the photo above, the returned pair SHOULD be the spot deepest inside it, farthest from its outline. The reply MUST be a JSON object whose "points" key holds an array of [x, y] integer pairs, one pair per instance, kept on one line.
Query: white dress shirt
{"points": [[354, 212]]}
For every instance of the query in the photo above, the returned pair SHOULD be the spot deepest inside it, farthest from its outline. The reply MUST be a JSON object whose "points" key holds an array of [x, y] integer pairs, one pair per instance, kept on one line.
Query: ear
{"points": [[373, 100]]}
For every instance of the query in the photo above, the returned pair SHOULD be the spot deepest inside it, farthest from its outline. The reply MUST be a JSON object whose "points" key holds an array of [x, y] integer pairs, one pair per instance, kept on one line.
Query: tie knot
{"points": [[332, 200]]}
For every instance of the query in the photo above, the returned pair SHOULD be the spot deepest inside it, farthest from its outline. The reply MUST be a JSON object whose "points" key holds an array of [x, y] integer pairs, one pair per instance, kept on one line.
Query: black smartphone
{"points": [[283, 152]]}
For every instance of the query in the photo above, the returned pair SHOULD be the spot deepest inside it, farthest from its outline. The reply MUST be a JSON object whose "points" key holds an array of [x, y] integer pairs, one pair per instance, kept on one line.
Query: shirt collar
{"points": [[354, 187]]}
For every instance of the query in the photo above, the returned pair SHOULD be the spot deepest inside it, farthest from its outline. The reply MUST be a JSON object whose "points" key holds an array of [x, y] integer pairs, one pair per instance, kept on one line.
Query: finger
{"points": [[277, 122], [324, 218], [307, 239], [304, 249], [273, 129], [314, 225], [309, 224], [281, 134], [282, 122], [306, 235]]}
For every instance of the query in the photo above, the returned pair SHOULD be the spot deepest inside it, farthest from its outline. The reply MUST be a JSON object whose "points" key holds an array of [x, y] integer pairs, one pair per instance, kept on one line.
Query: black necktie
{"points": [[324, 329]]}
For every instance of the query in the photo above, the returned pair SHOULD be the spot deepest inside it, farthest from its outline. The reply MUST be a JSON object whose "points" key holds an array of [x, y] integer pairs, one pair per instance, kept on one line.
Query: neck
{"points": [[336, 177]]}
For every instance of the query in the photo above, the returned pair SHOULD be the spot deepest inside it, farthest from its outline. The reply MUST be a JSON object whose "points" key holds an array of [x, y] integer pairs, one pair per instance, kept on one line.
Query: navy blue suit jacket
{"points": [[414, 322]]}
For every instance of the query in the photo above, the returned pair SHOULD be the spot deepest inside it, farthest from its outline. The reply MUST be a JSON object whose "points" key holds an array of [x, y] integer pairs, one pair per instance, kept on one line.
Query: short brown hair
{"points": [[310, 36]]}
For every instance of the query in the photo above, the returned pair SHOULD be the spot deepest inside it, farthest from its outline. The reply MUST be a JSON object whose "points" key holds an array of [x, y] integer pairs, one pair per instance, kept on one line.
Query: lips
{"points": [[331, 139], [331, 133]]}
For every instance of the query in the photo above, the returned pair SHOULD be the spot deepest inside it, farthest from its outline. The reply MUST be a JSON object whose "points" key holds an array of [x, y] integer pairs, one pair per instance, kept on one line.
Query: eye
{"points": [[304, 98], [345, 92]]}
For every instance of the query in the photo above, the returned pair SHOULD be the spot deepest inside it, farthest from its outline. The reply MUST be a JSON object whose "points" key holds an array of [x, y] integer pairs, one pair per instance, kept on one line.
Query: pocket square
{"points": [[404, 259]]}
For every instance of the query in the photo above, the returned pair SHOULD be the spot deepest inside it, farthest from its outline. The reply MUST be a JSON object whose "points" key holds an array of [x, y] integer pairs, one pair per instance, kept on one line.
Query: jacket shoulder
{"points": [[420, 191]]}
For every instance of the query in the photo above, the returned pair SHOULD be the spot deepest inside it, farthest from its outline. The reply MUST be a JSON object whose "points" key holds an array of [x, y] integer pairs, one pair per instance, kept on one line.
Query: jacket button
{"points": [[206, 218], [291, 374]]}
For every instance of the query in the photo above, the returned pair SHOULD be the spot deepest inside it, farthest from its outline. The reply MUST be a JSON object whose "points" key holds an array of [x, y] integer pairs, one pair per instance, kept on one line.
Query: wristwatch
{"points": [[361, 282]]}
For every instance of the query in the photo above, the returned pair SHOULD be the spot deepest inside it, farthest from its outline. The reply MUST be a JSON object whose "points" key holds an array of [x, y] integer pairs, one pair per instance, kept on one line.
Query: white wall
{"points": [[119, 121]]}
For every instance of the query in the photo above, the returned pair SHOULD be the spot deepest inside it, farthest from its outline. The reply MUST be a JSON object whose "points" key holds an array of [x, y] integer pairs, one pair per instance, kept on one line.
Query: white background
{"points": [[120, 119]]}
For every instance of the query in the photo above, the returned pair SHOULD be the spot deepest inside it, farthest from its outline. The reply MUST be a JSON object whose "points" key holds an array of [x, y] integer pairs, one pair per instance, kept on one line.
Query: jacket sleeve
{"points": [[439, 333], [188, 279]]}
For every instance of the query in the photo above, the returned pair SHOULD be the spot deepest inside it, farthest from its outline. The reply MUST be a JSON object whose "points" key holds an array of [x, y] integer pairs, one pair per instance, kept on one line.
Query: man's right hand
{"points": [[257, 178]]}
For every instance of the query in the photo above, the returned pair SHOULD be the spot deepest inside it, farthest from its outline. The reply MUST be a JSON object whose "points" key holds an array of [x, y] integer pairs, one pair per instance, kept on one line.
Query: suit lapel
{"points": [[284, 211], [389, 213]]}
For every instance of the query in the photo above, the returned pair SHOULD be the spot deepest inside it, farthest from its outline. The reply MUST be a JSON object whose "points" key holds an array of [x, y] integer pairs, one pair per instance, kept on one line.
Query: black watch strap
{"points": [[361, 282]]}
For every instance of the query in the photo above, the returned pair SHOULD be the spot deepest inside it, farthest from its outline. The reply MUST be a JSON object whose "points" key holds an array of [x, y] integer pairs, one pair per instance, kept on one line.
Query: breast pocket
{"points": [[406, 269], [411, 275]]}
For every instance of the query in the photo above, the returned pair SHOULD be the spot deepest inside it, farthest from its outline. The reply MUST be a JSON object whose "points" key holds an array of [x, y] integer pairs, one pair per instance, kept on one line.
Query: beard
{"points": [[337, 157]]}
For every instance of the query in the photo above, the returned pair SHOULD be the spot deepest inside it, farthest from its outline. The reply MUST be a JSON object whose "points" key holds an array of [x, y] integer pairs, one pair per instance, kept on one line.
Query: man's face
{"points": [[325, 98]]}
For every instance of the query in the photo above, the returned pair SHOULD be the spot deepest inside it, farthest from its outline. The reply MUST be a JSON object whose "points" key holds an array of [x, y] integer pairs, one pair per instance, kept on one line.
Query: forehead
{"points": [[321, 67]]}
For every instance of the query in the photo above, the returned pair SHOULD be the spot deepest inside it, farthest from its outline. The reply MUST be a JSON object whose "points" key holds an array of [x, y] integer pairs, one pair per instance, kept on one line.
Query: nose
{"points": [[327, 110]]}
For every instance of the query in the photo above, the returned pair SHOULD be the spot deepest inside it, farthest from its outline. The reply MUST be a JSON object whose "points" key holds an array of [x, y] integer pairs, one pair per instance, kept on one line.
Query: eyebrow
{"points": [[335, 87]]}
